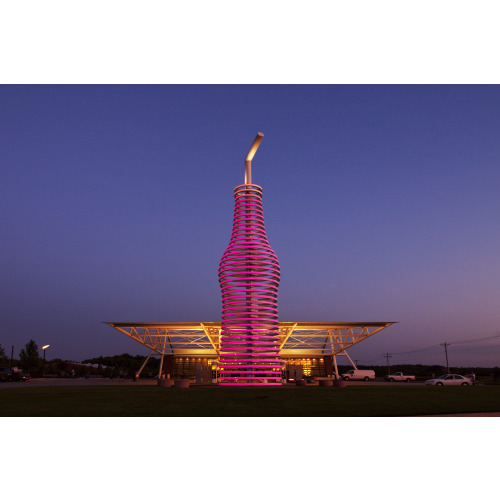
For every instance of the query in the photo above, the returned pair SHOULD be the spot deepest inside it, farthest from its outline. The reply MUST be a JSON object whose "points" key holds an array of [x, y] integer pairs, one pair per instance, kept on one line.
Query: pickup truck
{"points": [[399, 376]]}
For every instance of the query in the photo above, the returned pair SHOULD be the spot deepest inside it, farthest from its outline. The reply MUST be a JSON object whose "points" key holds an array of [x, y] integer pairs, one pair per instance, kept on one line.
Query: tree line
{"points": [[125, 364], [31, 362], [29, 358]]}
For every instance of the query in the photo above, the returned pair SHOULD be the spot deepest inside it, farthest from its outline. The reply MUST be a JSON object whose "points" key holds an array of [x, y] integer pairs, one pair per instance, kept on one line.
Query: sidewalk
{"points": [[489, 414]]}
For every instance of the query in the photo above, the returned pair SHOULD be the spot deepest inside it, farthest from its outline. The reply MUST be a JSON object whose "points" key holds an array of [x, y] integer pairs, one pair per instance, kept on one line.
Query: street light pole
{"points": [[44, 349]]}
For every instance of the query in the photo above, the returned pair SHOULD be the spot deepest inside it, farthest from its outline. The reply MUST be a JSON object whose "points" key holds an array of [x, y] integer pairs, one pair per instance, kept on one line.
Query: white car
{"points": [[449, 379]]}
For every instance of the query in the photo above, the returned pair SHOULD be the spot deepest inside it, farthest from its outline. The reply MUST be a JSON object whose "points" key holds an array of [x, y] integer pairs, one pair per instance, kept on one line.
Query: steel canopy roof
{"points": [[203, 338]]}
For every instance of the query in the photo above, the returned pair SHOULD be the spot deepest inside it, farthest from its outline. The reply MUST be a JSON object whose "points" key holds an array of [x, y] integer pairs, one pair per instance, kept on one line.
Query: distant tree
{"points": [[29, 358], [125, 363], [3, 356]]}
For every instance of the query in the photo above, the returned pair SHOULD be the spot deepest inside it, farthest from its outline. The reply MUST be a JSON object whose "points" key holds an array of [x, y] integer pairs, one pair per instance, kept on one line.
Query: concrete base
{"points": [[165, 382], [181, 384], [339, 383], [325, 383], [301, 382]]}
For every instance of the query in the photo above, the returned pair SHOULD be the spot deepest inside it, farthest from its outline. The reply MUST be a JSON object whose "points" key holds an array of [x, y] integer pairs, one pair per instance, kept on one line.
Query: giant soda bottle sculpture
{"points": [[249, 275]]}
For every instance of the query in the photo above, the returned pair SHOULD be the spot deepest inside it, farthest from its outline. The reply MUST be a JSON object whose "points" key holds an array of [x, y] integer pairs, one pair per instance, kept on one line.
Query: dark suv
{"points": [[8, 375]]}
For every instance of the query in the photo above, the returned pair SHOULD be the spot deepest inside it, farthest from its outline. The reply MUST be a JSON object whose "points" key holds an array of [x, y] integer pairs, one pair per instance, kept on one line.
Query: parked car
{"points": [[21, 376], [399, 376], [8, 375], [449, 379], [359, 375]]}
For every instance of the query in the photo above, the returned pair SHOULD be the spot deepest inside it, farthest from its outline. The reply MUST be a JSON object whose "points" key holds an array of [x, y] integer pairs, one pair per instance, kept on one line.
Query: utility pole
{"points": [[11, 356], [446, 352], [387, 356]]}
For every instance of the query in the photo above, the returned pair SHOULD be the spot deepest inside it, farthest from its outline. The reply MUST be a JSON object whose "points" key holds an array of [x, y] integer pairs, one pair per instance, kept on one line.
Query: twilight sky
{"points": [[381, 203]]}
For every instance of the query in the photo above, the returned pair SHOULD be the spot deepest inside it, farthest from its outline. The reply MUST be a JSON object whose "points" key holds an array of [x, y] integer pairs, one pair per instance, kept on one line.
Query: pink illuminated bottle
{"points": [[249, 276]]}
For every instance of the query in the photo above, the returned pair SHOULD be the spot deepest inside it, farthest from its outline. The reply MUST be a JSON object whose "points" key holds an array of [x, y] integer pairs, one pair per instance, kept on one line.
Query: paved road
{"points": [[72, 382], [492, 414]]}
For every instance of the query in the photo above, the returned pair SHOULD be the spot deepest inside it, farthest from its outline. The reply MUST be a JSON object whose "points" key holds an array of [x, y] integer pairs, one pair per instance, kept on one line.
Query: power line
{"points": [[483, 339], [374, 359], [476, 348], [435, 346], [418, 350]]}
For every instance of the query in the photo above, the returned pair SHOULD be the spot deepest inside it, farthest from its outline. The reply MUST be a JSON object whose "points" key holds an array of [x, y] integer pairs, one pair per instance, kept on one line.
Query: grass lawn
{"points": [[149, 401]]}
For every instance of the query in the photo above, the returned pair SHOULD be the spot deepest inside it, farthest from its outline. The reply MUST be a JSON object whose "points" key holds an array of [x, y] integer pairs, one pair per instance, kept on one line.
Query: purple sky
{"points": [[381, 203]]}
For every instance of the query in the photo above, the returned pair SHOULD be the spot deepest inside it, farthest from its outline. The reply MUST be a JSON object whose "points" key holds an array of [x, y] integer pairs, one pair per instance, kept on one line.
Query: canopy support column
{"points": [[161, 365], [144, 364], [336, 367], [350, 360]]}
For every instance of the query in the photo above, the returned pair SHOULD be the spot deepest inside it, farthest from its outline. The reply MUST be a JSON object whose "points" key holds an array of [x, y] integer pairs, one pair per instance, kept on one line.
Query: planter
{"points": [[165, 382], [300, 383], [325, 383], [181, 384], [339, 383]]}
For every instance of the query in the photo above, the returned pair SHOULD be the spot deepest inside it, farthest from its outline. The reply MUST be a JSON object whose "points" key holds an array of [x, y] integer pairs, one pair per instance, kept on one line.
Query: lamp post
{"points": [[44, 349]]}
